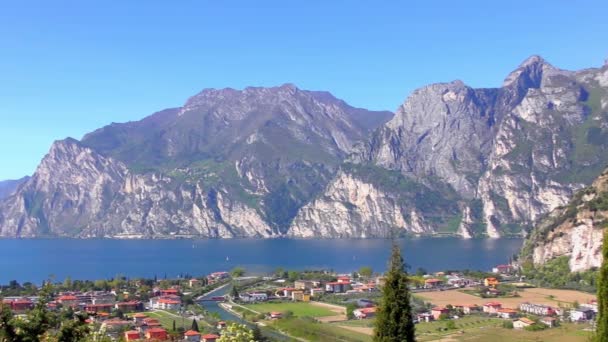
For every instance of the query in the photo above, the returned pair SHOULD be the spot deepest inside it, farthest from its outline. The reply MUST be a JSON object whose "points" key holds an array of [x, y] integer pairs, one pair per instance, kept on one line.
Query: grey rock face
{"points": [[513, 153], [575, 231], [228, 163]]}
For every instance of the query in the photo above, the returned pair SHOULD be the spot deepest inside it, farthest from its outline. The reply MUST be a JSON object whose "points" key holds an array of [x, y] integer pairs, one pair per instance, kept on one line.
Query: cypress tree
{"points": [[602, 294], [394, 321], [174, 328], [194, 325], [235, 293]]}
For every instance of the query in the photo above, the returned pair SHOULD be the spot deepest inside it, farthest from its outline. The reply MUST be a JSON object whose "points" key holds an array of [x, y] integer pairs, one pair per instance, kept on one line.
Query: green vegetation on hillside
{"points": [[556, 274]]}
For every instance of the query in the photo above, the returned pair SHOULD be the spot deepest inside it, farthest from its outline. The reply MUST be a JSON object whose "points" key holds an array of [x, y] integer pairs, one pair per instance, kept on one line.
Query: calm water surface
{"points": [[35, 260]]}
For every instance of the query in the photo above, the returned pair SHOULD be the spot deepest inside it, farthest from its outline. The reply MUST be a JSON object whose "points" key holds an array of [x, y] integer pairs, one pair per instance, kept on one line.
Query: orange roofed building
{"points": [[210, 338], [192, 336], [156, 334], [132, 335]]}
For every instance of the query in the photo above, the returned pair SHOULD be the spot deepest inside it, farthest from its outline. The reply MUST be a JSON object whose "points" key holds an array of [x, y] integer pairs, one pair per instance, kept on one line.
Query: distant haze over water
{"points": [[35, 260]]}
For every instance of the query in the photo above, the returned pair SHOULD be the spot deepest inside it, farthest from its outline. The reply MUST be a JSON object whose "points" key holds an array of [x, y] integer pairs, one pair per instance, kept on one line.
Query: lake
{"points": [[36, 259]]}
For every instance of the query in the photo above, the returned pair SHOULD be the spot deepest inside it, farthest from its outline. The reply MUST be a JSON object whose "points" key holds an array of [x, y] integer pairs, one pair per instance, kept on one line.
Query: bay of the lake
{"points": [[36, 259]]}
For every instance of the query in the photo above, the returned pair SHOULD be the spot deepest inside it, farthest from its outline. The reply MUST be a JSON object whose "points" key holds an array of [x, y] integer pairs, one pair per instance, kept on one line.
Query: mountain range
{"points": [[281, 161]]}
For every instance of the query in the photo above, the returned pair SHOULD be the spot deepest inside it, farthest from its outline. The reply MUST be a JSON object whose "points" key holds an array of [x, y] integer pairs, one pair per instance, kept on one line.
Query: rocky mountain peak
{"points": [[529, 74]]}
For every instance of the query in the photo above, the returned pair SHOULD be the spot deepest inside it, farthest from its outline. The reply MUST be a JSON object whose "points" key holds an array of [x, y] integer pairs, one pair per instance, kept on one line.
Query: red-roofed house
{"points": [[159, 334], [20, 305], [192, 336], [492, 307], [470, 308], [438, 311], [132, 335], [343, 279], [68, 300], [506, 313], [432, 283], [169, 292], [522, 323], [166, 303], [210, 338], [365, 313]]}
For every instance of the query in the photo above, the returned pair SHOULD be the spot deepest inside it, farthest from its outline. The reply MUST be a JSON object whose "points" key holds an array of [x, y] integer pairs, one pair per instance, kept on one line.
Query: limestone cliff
{"points": [[575, 230], [512, 154]]}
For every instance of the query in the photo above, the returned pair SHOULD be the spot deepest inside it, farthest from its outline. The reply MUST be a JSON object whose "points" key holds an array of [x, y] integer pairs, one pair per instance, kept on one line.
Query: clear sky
{"points": [[69, 67]]}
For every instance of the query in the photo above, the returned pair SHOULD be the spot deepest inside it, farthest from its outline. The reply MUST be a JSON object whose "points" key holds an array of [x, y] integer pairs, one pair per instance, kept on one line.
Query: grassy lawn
{"points": [[299, 309], [479, 329], [567, 332], [313, 331], [434, 330]]}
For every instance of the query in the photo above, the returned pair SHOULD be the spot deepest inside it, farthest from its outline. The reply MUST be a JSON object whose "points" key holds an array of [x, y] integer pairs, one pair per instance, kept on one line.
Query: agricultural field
{"points": [[299, 309], [567, 332], [552, 297], [479, 329]]}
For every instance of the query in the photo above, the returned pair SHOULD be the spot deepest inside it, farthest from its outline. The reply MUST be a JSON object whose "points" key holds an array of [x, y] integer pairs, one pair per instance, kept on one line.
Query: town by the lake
{"points": [[309, 305]]}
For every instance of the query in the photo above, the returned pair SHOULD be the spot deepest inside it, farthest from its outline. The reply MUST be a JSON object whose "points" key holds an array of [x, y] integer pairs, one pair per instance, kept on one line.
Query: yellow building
{"points": [[300, 296]]}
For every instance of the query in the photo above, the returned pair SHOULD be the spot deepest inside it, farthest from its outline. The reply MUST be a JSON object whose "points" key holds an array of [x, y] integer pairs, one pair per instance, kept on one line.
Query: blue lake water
{"points": [[35, 260]]}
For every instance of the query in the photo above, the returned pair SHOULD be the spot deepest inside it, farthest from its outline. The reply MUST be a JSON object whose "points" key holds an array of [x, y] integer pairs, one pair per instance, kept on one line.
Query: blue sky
{"points": [[69, 67]]}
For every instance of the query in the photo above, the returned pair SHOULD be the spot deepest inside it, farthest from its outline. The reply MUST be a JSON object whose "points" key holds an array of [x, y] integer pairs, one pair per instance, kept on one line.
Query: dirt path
{"points": [[340, 310]]}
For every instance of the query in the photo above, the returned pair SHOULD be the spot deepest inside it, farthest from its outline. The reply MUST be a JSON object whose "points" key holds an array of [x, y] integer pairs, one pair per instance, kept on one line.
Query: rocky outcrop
{"points": [[350, 207], [77, 192], [575, 231]]}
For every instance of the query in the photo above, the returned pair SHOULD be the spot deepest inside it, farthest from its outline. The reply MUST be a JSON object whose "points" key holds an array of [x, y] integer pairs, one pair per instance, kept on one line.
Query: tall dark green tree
{"points": [[394, 320], [174, 328], [602, 295], [257, 334], [234, 293], [194, 325]]}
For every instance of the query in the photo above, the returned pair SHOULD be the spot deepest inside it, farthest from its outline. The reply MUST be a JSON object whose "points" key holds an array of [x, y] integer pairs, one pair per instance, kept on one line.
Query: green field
{"points": [[479, 328], [567, 332], [310, 330], [299, 309]]}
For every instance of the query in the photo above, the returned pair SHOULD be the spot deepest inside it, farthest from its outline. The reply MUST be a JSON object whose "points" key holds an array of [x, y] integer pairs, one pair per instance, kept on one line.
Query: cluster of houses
{"points": [[91, 302], [105, 310], [166, 299], [441, 280], [142, 327], [547, 315], [304, 290]]}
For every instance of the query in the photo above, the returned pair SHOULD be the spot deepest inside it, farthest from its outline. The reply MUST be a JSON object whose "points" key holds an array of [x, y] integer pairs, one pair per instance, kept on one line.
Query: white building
{"points": [[166, 303], [581, 314]]}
